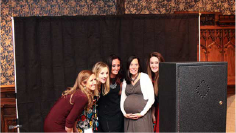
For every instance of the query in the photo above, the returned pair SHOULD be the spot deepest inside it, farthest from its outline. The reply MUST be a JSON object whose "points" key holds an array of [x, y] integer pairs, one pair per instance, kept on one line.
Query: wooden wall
{"points": [[8, 108], [217, 39]]}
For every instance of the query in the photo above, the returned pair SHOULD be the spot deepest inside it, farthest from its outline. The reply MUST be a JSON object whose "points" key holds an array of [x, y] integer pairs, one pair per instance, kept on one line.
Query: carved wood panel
{"points": [[219, 45], [8, 108], [229, 53], [9, 120]]}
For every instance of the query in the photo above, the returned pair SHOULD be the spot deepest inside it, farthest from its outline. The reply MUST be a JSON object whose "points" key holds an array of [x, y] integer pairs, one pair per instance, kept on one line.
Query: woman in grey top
{"points": [[137, 98]]}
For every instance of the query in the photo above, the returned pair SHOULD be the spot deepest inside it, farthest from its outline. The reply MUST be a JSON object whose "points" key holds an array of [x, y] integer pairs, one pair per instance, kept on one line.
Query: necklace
{"points": [[113, 86], [134, 78]]}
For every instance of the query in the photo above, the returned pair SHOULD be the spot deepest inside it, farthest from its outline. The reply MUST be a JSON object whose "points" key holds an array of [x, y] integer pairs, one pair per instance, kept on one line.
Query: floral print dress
{"points": [[88, 119]]}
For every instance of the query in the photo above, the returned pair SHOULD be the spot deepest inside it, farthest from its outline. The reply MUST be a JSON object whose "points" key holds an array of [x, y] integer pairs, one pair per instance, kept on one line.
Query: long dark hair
{"points": [[152, 75], [119, 76], [128, 75]]}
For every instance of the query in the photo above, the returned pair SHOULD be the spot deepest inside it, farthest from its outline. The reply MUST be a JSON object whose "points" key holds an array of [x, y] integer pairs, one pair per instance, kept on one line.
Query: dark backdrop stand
{"points": [[51, 51]]}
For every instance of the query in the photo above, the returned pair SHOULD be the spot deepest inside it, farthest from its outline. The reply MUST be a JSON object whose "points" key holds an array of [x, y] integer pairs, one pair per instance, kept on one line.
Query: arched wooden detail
{"points": [[229, 53], [211, 46], [203, 47], [214, 46], [219, 45]]}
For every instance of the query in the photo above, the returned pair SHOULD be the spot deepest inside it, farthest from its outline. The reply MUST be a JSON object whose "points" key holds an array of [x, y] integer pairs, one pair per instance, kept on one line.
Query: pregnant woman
{"points": [[137, 98]]}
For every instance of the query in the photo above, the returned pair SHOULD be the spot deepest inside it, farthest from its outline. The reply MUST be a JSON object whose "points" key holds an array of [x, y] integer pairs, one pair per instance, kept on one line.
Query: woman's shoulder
{"points": [[80, 94], [124, 83], [144, 75]]}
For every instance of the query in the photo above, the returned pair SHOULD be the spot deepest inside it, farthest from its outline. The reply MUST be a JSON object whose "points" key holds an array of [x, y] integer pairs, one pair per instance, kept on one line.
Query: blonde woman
{"points": [[70, 105], [101, 71], [88, 120]]}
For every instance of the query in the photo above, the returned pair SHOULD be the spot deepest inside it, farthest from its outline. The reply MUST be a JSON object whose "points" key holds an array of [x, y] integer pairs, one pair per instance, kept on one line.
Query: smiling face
{"points": [[134, 66], [154, 64], [91, 83], [115, 68], [103, 75]]}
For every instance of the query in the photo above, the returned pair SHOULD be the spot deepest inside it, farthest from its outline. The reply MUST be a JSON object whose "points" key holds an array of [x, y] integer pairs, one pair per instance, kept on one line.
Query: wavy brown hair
{"points": [[81, 80], [152, 75]]}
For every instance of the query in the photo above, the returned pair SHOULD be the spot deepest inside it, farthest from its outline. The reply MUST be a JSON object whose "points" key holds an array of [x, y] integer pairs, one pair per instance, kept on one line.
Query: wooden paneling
{"points": [[231, 89], [229, 54], [217, 39], [10, 120], [219, 45], [218, 42], [8, 108]]}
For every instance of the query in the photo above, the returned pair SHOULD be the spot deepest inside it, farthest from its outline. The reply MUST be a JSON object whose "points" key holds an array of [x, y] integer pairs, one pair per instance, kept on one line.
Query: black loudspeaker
{"points": [[193, 97]]}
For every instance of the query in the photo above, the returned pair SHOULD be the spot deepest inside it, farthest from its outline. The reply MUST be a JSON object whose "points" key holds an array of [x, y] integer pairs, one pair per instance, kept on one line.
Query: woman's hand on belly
{"points": [[137, 115], [129, 116], [133, 116]]}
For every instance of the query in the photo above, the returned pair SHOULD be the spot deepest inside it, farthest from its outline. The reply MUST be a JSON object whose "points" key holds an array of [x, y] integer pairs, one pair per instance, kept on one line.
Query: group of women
{"points": [[107, 100]]}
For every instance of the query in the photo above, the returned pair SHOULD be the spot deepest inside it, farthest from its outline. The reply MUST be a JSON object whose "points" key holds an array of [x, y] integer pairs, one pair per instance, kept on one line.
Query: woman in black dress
{"points": [[109, 113]]}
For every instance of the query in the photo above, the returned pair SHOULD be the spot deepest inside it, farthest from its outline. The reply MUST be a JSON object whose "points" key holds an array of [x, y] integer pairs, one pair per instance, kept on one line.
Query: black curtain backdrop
{"points": [[51, 51]]}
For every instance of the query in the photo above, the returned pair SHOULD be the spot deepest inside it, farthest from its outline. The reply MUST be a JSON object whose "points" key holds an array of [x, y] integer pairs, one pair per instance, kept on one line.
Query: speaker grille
{"points": [[199, 92], [202, 89]]}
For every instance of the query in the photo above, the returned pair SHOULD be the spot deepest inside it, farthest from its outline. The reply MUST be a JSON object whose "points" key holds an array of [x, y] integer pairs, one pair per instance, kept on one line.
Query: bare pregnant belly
{"points": [[134, 103]]}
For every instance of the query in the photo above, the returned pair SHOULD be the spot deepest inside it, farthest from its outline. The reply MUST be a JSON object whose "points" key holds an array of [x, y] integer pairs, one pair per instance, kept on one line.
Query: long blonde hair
{"points": [[97, 69], [82, 78], [154, 76]]}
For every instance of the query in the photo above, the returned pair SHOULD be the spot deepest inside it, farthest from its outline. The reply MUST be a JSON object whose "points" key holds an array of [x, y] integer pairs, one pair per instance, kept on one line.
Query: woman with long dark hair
{"points": [[109, 113], [137, 98], [153, 61]]}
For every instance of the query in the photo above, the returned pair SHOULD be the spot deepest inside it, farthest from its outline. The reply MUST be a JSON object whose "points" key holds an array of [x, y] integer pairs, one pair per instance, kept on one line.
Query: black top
{"points": [[109, 105], [156, 97], [156, 100]]}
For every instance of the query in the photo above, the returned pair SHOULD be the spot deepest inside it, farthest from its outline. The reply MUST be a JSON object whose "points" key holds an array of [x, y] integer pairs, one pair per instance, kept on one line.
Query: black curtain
{"points": [[51, 51]]}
